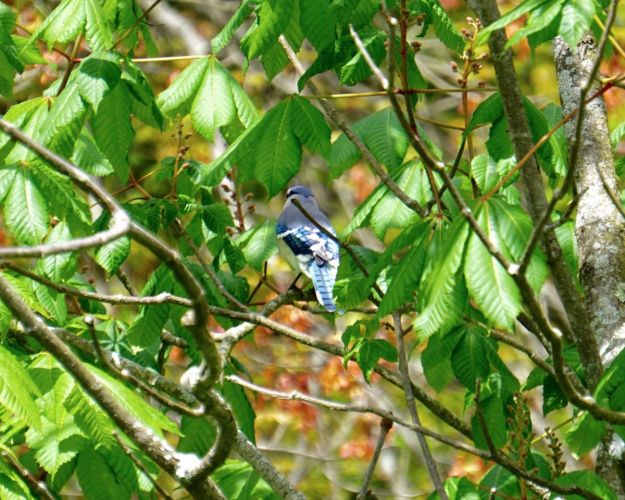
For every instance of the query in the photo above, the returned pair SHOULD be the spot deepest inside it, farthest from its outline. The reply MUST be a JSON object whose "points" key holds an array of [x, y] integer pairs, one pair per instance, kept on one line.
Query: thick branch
{"points": [[599, 227]]}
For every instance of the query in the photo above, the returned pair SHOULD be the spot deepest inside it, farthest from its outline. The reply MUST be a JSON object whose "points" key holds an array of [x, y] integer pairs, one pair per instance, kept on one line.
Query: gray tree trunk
{"points": [[599, 226]]}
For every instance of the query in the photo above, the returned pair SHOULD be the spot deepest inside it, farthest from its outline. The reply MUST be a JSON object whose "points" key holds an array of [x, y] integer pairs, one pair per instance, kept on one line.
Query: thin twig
{"points": [[385, 427], [377, 93], [37, 486], [412, 408], [161, 298], [512, 342], [70, 64], [120, 227]]}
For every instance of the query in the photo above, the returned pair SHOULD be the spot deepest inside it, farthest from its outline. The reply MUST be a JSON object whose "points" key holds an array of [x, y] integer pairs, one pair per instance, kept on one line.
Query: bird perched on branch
{"points": [[309, 235]]}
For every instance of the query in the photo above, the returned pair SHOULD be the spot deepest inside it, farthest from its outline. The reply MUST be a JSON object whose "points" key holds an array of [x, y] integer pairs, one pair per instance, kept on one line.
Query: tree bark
{"points": [[599, 226]]}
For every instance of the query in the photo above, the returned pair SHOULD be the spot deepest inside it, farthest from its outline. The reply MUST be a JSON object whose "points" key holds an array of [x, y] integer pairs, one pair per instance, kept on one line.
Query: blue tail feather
{"points": [[323, 279]]}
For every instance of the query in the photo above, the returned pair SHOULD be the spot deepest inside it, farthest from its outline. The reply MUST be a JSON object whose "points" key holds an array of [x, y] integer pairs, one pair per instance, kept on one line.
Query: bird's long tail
{"points": [[323, 277]]}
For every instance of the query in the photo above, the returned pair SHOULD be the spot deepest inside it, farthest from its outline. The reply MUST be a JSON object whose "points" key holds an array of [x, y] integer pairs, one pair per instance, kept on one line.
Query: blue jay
{"points": [[317, 255]]}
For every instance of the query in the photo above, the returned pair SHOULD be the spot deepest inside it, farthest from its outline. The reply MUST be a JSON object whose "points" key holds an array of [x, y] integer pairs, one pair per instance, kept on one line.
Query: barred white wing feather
{"points": [[318, 258]]}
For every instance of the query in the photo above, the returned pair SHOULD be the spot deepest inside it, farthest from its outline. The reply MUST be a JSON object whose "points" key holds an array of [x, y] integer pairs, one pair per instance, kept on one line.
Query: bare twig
{"points": [[412, 408], [161, 298], [120, 227], [385, 427], [37, 486]]}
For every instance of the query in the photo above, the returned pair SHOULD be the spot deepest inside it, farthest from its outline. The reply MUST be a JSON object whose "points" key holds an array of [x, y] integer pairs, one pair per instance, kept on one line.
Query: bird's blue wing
{"points": [[317, 255]]}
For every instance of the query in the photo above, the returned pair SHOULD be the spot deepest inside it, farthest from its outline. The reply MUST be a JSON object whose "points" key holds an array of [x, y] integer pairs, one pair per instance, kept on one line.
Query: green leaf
{"points": [[237, 19], [31, 125], [237, 479], [371, 351], [357, 69], [584, 434], [96, 479], [390, 211], [492, 410], [240, 404], [89, 417], [213, 106], [56, 443], [259, 243], [99, 33], [469, 359], [576, 19], [444, 28], [112, 130], [198, 435], [270, 151], [145, 330], [318, 23], [444, 296], [213, 97], [310, 127], [28, 53], [490, 285], [514, 227], [406, 276], [17, 389], [52, 302], [89, 158], [217, 217], [278, 151], [502, 481], [538, 20], [62, 198], [363, 211], [19, 115], [273, 16], [587, 480], [7, 43], [113, 254], [140, 409], [523, 8], [234, 256], [274, 58], [12, 487], [486, 112], [178, 97], [96, 76], [382, 134], [61, 266], [484, 171], [63, 123], [7, 77], [63, 24], [436, 358], [25, 212], [7, 175]]}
